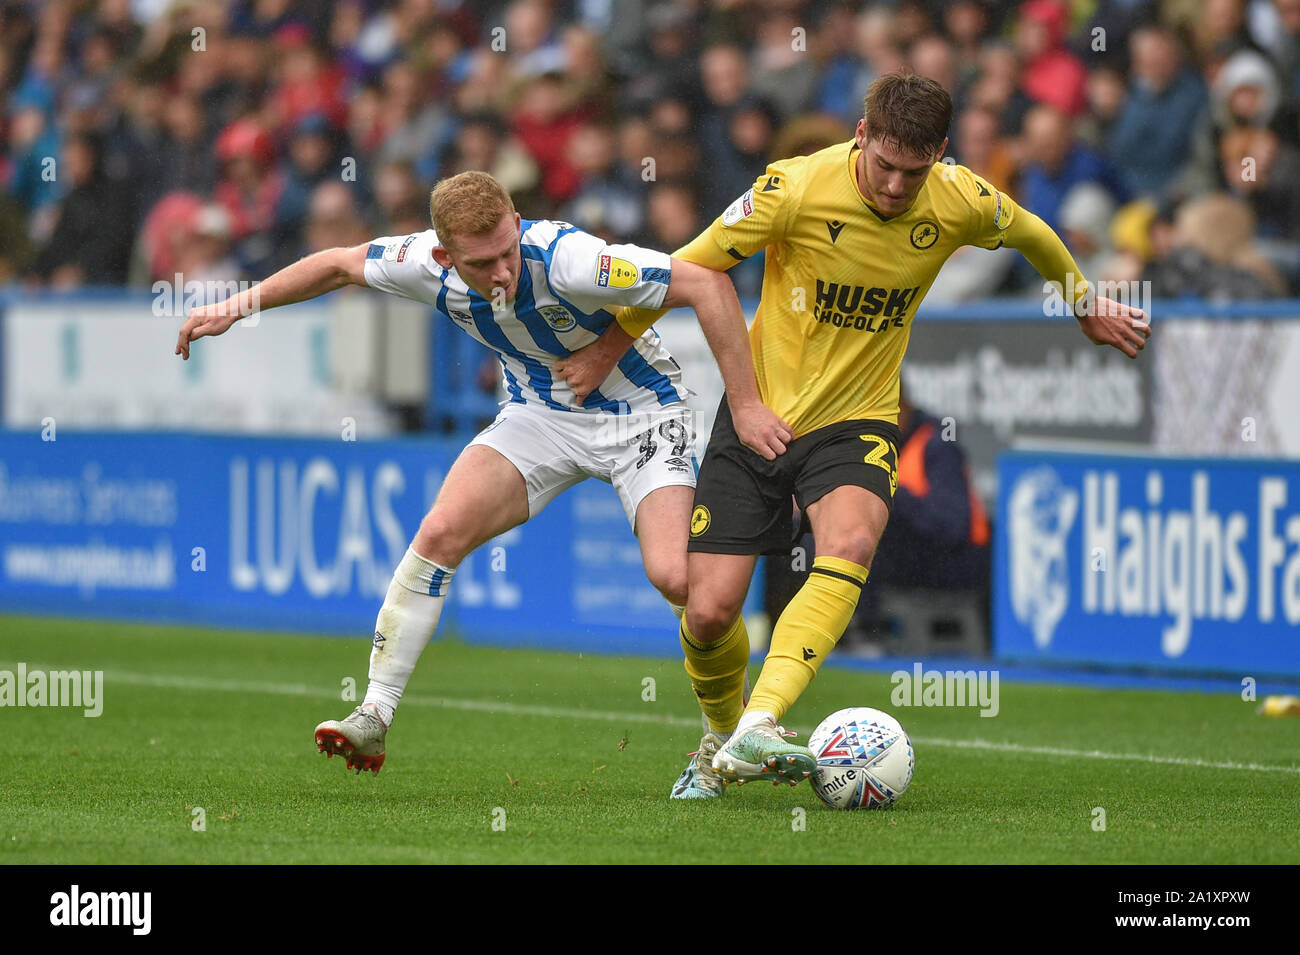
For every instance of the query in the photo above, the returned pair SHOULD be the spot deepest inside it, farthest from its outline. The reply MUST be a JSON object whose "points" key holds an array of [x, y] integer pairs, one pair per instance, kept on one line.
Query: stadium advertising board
{"points": [[1005, 381], [299, 534], [1172, 564]]}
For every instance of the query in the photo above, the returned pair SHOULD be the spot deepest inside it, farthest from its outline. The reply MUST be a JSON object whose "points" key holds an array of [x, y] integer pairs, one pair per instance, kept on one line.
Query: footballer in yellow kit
{"points": [[854, 237]]}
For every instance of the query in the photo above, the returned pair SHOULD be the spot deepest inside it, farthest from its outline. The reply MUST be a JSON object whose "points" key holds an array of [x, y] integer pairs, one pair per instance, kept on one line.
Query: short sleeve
{"points": [[756, 219], [401, 264], [992, 211], [591, 272]]}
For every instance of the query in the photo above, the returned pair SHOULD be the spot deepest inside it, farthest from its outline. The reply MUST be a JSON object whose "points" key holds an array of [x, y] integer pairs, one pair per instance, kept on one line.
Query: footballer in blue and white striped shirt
{"points": [[534, 292]]}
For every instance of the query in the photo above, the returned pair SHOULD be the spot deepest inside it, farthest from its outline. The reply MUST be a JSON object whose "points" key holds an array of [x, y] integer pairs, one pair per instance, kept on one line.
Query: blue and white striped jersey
{"points": [[569, 283]]}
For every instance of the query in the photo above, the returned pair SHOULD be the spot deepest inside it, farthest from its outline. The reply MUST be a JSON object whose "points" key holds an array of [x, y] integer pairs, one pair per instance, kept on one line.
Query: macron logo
{"points": [[102, 908]]}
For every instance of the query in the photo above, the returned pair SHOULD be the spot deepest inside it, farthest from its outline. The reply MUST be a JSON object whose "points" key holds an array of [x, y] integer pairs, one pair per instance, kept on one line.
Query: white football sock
{"points": [[678, 611], [405, 624], [751, 717]]}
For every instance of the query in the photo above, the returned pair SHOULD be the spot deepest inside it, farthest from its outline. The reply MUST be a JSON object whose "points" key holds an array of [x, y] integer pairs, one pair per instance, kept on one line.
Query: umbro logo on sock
{"points": [[808, 654], [379, 640]]}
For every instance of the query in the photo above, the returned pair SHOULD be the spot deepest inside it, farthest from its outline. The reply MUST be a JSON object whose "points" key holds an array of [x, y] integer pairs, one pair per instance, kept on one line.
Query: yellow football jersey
{"points": [[841, 283]]}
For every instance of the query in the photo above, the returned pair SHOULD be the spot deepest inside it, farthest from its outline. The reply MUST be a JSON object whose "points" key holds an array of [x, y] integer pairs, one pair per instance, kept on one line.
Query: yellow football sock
{"points": [[808, 630], [717, 672]]}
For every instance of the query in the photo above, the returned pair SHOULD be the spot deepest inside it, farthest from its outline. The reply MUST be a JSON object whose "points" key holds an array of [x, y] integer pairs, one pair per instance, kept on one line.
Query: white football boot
{"points": [[762, 751], [359, 738]]}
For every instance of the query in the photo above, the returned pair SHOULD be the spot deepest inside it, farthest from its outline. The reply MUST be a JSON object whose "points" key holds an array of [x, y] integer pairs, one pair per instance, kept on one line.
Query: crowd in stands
{"points": [[140, 138]]}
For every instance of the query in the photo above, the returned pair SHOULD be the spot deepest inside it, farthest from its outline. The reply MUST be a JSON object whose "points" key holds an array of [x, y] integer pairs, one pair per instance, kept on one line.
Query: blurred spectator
{"points": [[784, 73], [167, 230], [311, 161], [1055, 162], [1218, 30], [186, 155], [1052, 74], [1265, 173], [724, 76], [1106, 94], [34, 149], [544, 120], [309, 84], [85, 248], [333, 219], [1246, 93], [1286, 51], [620, 26], [205, 255], [532, 42], [672, 216], [402, 205], [589, 82], [1085, 216], [932, 57], [667, 68], [998, 87], [966, 23], [249, 189], [877, 50], [482, 142], [732, 169], [1151, 141], [1213, 255], [978, 145], [415, 127], [605, 204]]}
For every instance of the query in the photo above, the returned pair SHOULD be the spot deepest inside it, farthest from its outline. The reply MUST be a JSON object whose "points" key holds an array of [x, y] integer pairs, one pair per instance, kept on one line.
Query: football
{"points": [[864, 759]]}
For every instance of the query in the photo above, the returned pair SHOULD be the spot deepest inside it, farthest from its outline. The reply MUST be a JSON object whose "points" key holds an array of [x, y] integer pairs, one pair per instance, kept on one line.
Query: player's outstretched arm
{"points": [[714, 300], [307, 278], [1103, 320]]}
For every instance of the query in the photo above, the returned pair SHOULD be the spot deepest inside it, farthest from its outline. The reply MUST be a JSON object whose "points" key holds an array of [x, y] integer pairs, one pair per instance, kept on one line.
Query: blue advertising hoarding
{"points": [[1171, 564], [303, 535]]}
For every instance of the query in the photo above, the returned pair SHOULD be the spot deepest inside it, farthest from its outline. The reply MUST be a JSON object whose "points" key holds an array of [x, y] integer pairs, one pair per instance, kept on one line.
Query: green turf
{"points": [[223, 721]]}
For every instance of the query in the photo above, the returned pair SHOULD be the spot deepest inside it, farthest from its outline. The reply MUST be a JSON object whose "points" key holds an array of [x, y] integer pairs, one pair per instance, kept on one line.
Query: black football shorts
{"points": [[742, 500]]}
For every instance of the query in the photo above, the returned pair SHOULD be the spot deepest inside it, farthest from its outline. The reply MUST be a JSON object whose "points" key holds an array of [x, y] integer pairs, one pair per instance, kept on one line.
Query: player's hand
{"points": [[1107, 322], [206, 320], [759, 429], [586, 368]]}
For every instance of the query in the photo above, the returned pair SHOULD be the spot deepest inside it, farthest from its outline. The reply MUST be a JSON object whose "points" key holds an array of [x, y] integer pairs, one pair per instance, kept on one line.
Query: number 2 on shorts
{"points": [[877, 454]]}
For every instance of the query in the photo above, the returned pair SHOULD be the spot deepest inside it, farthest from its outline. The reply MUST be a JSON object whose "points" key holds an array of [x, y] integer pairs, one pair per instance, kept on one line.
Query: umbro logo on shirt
{"points": [[834, 229]]}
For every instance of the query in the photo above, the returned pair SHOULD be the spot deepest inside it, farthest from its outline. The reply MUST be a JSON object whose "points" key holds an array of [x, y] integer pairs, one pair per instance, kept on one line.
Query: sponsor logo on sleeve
{"points": [[401, 253], [1001, 216], [613, 272], [742, 208]]}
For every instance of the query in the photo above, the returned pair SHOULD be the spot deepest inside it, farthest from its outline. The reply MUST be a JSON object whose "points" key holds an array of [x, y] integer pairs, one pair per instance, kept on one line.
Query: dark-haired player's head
{"points": [[902, 133]]}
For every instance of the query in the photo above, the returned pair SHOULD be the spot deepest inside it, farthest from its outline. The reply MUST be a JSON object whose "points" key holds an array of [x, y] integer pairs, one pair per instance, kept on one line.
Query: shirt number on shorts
{"points": [[877, 456], [672, 431]]}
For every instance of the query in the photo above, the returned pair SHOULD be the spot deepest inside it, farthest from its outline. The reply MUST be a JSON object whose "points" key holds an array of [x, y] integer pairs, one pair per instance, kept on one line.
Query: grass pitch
{"points": [[570, 761]]}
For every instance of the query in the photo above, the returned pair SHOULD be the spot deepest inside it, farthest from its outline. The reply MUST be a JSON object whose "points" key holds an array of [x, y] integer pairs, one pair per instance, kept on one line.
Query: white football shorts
{"points": [[637, 453]]}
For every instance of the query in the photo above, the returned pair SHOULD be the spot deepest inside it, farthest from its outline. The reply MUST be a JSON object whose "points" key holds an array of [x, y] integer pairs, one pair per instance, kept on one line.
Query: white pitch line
{"points": [[609, 716]]}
